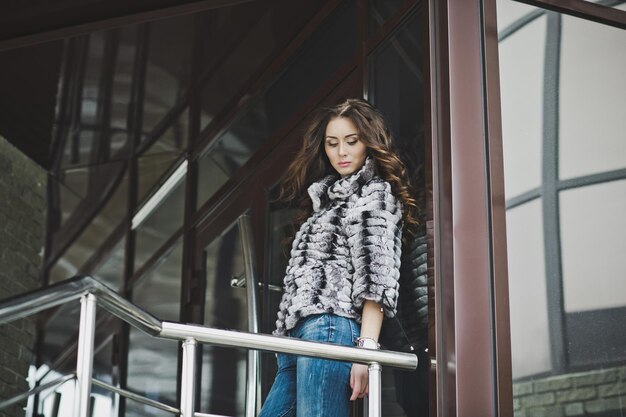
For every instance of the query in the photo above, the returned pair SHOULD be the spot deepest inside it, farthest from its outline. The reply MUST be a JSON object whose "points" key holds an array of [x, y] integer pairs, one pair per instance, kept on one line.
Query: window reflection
{"points": [[238, 41], [530, 341], [153, 363], [160, 156], [85, 250], [274, 106], [167, 68], [161, 224], [223, 382], [381, 10], [565, 238], [522, 68], [591, 104]]}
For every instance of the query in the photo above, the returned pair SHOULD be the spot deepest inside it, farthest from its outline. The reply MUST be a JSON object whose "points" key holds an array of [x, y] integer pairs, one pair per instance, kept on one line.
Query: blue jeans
{"points": [[308, 387]]}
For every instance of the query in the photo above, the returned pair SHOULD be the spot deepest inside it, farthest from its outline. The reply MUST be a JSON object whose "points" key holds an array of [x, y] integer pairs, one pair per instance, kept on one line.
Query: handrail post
{"points": [[374, 406], [84, 357], [188, 379], [253, 385]]}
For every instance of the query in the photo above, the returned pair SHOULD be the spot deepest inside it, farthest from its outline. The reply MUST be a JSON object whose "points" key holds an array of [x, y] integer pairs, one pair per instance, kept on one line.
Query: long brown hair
{"points": [[311, 163]]}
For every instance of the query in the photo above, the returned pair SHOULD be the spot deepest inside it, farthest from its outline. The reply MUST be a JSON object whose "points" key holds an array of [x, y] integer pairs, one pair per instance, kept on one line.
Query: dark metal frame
{"points": [[471, 281]]}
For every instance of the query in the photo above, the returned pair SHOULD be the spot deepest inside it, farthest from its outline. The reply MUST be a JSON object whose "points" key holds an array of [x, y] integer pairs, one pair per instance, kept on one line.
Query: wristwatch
{"points": [[367, 343]]}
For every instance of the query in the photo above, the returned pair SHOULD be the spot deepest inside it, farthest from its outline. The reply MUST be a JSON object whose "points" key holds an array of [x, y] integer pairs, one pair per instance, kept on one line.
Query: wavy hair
{"points": [[311, 163]]}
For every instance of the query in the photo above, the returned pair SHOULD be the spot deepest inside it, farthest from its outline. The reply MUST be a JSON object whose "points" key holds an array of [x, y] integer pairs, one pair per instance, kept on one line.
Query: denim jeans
{"points": [[308, 387]]}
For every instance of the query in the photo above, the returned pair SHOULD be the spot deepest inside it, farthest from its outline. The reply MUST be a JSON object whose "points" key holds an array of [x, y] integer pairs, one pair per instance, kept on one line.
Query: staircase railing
{"points": [[92, 292]]}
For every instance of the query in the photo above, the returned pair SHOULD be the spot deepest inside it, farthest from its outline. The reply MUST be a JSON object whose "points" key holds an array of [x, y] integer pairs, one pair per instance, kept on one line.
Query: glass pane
{"points": [[126, 38], [397, 89], [511, 11], [267, 113], [105, 402], [279, 240], [60, 332], [592, 98], [153, 363], [111, 271], [521, 84], [379, 11], [565, 248], [78, 147], [594, 281], [232, 57], [601, 239], [527, 286], [167, 68], [159, 157], [79, 256], [68, 199], [152, 371], [223, 383], [164, 221], [91, 81]]}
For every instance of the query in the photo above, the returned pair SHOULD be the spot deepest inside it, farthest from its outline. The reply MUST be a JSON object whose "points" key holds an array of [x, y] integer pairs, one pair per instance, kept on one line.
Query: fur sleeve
{"points": [[374, 230]]}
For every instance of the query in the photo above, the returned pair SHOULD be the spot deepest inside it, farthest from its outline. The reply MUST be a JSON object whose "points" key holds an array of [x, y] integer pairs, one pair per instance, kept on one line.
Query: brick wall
{"points": [[594, 393], [22, 220]]}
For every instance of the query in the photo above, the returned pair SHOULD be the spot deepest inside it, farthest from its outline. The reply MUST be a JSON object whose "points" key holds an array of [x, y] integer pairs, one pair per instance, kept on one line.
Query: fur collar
{"points": [[332, 187]]}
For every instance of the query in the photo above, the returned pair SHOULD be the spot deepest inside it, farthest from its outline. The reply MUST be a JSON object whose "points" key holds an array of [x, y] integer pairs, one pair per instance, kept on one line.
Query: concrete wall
{"points": [[22, 228], [593, 393]]}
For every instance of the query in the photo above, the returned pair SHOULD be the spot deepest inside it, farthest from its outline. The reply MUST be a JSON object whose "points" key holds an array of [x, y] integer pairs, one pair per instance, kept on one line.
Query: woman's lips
{"points": [[344, 164]]}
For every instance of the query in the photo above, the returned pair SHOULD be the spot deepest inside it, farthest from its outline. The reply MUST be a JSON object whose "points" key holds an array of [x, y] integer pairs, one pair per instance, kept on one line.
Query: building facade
{"points": [[164, 125]]}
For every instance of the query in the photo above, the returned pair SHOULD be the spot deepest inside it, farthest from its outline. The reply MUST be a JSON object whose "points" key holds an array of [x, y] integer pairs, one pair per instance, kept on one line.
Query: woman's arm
{"points": [[371, 322]]}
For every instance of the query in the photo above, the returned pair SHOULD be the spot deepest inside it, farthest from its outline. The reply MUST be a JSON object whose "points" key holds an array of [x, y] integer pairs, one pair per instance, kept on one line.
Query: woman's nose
{"points": [[342, 149]]}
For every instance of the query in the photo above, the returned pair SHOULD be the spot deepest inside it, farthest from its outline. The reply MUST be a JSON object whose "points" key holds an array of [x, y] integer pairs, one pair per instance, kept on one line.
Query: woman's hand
{"points": [[359, 379]]}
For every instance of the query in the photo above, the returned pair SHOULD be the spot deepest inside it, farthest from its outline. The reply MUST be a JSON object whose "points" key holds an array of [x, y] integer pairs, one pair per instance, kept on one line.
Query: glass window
{"points": [[239, 41], [59, 333], [267, 112], [167, 67], [223, 382], [111, 271], [592, 98], [153, 363], [126, 42], [397, 89], [160, 225], [160, 156], [79, 145], [530, 344], [512, 11], [78, 257], [592, 244], [105, 402], [379, 11], [521, 80], [91, 82], [565, 240]]}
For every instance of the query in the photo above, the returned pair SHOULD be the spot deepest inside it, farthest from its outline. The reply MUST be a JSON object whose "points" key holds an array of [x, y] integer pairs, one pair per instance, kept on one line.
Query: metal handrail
{"points": [[36, 390], [27, 304], [91, 291]]}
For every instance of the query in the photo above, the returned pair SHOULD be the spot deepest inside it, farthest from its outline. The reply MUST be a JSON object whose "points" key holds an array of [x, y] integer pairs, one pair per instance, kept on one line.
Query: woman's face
{"points": [[344, 149]]}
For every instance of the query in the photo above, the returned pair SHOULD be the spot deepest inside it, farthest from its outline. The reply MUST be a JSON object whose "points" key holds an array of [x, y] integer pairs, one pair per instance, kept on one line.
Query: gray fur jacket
{"points": [[346, 252]]}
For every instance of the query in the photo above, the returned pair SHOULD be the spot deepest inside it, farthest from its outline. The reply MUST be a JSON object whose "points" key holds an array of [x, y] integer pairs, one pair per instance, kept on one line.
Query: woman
{"points": [[342, 276]]}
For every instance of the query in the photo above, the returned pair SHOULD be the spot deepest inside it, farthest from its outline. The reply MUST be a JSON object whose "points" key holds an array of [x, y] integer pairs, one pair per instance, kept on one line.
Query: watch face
{"points": [[368, 343]]}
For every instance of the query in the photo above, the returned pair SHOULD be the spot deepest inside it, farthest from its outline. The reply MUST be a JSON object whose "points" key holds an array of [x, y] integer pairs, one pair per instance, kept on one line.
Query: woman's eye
{"points": [[331, 145], [352, 142]]}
